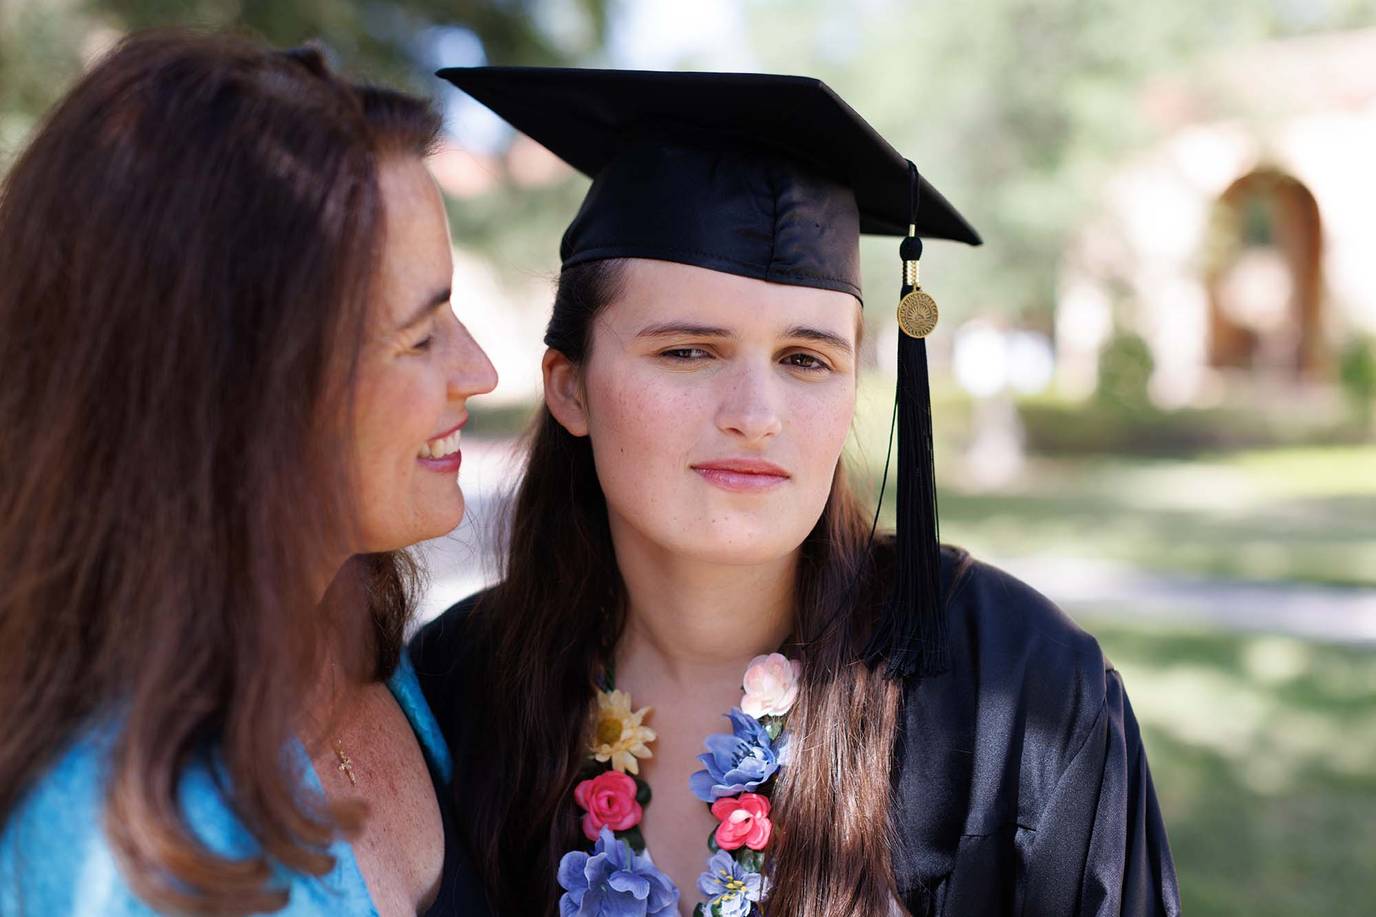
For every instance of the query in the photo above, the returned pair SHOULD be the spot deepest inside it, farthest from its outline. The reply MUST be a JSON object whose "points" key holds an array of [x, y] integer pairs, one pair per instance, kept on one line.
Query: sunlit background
{"points": [[1155, 384]]}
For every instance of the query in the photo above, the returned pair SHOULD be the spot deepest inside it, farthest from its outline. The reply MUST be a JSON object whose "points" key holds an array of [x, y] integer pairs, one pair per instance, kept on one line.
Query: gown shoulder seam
{"points": [[1080, 744]]}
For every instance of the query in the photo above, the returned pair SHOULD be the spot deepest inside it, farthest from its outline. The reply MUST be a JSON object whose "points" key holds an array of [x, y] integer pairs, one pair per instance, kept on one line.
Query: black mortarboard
{"points": [[770, 177]]}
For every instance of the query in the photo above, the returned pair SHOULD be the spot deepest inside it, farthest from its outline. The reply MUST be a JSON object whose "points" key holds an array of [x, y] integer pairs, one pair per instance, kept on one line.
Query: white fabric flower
{"points": [[771, 685], [618, 734]]}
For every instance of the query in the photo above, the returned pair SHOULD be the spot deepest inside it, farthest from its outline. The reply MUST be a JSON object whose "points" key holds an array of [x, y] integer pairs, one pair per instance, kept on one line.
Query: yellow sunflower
{"points": [[617, 733]]}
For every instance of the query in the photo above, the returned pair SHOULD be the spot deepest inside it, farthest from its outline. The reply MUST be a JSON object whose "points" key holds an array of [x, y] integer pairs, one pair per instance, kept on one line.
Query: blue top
{"points": [[55, 858]]}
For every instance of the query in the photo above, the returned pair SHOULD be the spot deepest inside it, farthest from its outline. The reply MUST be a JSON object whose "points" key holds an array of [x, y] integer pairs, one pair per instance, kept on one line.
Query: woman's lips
{"points": [[442, 452], [449, 464], [742, 475]]}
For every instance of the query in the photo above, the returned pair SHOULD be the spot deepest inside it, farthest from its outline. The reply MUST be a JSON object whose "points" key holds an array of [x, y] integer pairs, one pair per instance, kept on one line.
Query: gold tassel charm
{"points": [[917, 310]]}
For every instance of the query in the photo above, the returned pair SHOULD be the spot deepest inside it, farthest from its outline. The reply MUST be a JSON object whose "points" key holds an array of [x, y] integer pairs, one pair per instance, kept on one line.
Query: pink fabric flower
{"points": [[771, 685], [608, 799], [744, 820]]}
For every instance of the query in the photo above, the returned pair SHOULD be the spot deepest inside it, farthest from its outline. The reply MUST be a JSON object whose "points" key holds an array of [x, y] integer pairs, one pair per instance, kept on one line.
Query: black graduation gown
{"points": [[1020, 784], [461, 891], [1021, 781]]}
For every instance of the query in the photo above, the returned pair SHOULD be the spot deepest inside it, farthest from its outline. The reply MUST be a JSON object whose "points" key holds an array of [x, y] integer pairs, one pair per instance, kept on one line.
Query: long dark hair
{"points": [[187, 253], [538, 637]]}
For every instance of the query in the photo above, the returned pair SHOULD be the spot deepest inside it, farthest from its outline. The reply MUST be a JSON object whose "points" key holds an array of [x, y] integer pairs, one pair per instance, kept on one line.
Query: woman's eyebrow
{"points": [[795, 332], [687, 329], [439, 298], [817, 335]]}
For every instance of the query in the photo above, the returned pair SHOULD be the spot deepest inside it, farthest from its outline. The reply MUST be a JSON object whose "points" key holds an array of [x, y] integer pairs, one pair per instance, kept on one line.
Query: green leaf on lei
{"points": [[633, 837], [773, 725], [592, 767], [752, 860]]}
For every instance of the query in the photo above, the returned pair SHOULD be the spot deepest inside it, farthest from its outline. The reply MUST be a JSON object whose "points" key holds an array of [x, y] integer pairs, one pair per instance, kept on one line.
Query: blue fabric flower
{"points": [[614, 881], [736, 763], [730, 888]]}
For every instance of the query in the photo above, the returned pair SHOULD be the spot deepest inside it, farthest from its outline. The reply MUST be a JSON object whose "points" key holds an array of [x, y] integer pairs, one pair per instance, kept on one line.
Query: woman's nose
{"points": [[749, 407], [471, 372]]}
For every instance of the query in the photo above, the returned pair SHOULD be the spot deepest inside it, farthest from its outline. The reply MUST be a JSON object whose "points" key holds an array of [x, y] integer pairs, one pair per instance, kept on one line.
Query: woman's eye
{"points": [[424, 343], [685, 354], [805, 361]]}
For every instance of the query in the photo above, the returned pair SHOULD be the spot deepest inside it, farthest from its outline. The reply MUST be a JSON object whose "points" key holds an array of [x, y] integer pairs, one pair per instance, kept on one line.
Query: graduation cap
{"points": [[769, 177]]}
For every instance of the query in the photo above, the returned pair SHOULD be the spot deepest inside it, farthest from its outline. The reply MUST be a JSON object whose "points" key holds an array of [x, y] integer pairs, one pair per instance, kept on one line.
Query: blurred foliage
{"points": [[1102, 427], [499, 422], [1125, 368], [518, 229], [45, 43], [1357, 376]]}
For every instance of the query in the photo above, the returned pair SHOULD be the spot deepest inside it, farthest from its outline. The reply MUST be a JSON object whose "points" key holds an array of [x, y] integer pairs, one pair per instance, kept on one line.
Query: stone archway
{"points": [[1262, 272]]}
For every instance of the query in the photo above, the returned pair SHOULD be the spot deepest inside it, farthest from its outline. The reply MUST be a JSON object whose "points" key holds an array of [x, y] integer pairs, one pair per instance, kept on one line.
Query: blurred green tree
{"points": [[1125, 369], [45, 43]]}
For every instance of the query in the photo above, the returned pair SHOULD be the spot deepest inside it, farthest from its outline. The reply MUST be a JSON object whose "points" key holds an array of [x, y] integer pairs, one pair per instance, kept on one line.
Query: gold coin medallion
{"points": [[917, 314]]}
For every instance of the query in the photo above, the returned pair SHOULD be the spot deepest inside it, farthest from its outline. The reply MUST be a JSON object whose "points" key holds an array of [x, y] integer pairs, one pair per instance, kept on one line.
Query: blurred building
{"points": [[1238, 245]]}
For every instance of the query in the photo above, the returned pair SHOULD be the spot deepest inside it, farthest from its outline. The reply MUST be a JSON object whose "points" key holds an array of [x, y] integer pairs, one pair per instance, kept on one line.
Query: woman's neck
{"points": [[689, 620], [337, 681]]}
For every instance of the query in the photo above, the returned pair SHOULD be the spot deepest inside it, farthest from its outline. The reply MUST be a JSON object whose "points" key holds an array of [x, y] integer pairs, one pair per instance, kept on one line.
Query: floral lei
{"points": [[617, 878]]}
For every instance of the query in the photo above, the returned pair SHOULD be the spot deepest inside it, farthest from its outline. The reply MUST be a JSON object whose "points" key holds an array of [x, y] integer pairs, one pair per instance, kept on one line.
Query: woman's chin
{"points": [[443, 522], [429, 520], [740, 547]]}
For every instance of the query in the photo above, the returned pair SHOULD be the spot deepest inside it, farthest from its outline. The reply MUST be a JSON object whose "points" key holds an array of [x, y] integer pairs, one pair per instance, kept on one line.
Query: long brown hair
{"points": [[187, 249], [538, 637]]}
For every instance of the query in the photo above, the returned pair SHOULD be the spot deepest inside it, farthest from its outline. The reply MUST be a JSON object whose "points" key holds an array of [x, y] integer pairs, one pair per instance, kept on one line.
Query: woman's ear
{"points": [[564, 392]]}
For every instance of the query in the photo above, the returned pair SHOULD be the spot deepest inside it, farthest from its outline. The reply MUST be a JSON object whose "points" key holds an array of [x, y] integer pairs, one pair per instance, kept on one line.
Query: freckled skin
{"points": [[408, 393], [651, 418]]}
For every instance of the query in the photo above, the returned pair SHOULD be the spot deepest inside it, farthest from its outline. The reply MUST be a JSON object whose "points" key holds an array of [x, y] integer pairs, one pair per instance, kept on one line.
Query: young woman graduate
{"points": [[907, 730]]}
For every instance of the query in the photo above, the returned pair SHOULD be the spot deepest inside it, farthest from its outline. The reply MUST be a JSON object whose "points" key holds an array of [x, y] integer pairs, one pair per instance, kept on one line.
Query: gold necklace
{"points": [[346, 764]]}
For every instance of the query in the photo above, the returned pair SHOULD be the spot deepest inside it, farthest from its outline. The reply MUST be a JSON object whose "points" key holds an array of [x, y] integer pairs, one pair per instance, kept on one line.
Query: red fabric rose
{"points": [[609, 799], [744, 820]]}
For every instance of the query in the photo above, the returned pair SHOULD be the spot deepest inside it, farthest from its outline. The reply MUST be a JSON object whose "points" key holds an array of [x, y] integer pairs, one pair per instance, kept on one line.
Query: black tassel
{"points": [[911, 635]]}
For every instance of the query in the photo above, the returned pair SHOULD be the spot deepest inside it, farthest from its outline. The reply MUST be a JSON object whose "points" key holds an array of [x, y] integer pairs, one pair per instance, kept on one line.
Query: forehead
{"points": [[657, 291], [416, 257]]}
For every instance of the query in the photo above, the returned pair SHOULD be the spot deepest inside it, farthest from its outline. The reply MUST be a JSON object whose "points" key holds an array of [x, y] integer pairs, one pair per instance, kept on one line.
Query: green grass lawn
{"points": [[1263, 750]]}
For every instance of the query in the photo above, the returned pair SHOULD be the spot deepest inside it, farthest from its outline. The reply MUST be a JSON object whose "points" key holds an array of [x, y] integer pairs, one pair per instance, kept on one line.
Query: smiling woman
{"points": [[231, 387]]}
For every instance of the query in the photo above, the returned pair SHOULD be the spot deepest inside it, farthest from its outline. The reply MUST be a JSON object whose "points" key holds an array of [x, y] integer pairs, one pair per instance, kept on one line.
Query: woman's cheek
{"points": [[639, 415], [642, 431], [821, 425]]}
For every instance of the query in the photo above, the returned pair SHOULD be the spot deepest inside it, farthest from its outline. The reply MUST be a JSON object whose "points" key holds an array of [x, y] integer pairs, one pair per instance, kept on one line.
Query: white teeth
{"points": [[442, 447]]}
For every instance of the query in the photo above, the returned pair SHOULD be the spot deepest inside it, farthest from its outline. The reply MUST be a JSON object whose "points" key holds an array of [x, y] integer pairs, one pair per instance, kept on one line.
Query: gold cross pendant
{"points": [[346, 765]]}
